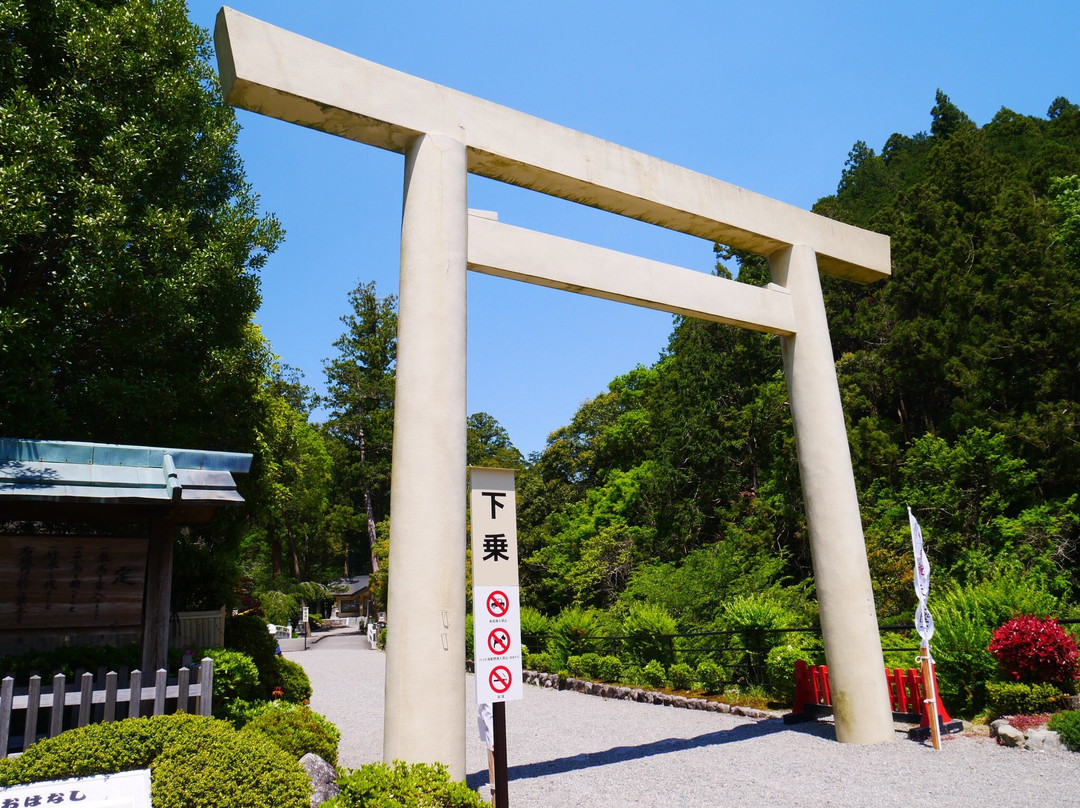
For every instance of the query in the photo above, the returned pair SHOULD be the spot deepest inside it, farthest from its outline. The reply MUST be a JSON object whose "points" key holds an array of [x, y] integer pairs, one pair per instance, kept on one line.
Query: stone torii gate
{"points": [[445, 135]]}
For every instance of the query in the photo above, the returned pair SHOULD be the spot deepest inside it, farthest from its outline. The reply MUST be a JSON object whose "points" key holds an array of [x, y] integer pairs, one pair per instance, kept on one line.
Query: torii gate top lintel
{"points": [[283, 75]]}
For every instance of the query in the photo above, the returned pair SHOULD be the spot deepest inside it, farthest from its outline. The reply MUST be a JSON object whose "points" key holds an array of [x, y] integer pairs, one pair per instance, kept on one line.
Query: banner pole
{"points": [[930, 691]]}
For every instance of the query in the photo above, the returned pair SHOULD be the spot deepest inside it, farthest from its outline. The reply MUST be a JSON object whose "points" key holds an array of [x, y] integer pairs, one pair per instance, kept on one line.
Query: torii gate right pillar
{"points": [[841, 572]]}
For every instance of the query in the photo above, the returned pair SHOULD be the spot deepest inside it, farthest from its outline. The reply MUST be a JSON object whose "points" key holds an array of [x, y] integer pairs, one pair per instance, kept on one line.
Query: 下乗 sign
{"points": [[496, 605]]}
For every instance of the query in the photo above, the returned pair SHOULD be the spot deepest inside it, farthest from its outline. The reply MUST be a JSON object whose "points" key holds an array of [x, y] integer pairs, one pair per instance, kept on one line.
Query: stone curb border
{"points": [[608, 691]]}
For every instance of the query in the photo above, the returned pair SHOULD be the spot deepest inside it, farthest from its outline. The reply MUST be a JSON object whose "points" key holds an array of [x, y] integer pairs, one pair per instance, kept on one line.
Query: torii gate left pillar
{"points": [[425, 699]]}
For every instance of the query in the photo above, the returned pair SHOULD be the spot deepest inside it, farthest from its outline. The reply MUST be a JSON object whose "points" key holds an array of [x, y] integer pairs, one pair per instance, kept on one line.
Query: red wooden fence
{"points": [[907, 693]]}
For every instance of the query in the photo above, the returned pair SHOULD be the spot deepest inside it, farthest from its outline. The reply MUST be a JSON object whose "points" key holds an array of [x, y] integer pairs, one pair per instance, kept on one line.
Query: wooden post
{"points": [[183, 679], [206, 686], [59, 696], [158, 597], [161, 682], [135, 695], [7, 697], [86, 698], [109, 713]]}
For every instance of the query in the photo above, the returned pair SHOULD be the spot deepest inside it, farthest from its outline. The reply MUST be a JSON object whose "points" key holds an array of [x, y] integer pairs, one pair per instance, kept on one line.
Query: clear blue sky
{"points": [[768, 95]]}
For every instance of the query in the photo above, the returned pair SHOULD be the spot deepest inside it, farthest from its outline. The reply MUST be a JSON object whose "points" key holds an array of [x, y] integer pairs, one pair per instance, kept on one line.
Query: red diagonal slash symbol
{"points": [[500, 679], [499, 641]]}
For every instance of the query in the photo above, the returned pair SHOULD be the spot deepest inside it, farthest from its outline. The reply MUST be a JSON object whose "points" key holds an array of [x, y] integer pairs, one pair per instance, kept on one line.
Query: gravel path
{"points": [[567, 750]]}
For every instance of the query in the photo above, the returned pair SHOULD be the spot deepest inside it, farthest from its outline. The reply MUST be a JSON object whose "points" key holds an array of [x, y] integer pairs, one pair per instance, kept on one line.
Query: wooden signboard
{"points": [[64, 583]]}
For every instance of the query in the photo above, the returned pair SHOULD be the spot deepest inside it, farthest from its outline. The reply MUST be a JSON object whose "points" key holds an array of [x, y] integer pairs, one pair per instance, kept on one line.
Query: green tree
{"points": [[360, 381], [129, 238], [488, 444], [297, 472]]}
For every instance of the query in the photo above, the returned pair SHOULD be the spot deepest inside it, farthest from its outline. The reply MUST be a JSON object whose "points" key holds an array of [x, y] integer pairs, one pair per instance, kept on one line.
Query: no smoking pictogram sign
{"points": [[500, 679], [499, 640], [497, 603]]}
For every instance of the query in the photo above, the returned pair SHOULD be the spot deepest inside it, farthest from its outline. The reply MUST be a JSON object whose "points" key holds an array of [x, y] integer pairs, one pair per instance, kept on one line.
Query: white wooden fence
{"points": [[198, 629], [90, 704]]}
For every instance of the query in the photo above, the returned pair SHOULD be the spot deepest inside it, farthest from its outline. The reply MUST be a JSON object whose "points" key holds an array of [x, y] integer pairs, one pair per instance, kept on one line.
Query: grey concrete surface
{"points": [[567, 750]]}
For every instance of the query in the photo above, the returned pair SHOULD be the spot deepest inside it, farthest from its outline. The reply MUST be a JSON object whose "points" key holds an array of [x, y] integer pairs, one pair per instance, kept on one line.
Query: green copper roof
{"points": [[64, 471]]}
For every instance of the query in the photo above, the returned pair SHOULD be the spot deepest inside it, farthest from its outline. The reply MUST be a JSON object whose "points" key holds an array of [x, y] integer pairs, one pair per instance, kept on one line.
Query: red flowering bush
{"points": [[1036, 651]]}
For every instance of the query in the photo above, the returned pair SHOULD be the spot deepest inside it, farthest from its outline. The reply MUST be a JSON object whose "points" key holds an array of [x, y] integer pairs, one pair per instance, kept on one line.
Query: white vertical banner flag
{"points": [[924, 621], [922, 564], [496, 607]]}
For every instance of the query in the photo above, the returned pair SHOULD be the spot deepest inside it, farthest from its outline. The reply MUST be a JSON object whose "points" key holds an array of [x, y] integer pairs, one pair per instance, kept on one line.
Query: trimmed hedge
{"points": [[292, 679], [403, 786], [711, 676], [195, 762], [235, 677], [609, 669], [297, 730], [681, 676], [1067, 725], [1020, 698]]}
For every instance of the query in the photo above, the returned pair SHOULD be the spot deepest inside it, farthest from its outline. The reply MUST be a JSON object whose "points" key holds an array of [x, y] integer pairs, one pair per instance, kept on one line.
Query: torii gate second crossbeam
{"points": [[444, 135]]}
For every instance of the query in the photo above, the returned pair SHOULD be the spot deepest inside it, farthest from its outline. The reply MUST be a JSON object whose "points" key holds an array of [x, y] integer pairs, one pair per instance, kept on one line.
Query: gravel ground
{"points": [[568, 750]]}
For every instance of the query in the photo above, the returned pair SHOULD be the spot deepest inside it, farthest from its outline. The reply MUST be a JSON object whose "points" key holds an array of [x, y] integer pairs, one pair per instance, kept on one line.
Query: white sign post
{"points": [[496, 604]]}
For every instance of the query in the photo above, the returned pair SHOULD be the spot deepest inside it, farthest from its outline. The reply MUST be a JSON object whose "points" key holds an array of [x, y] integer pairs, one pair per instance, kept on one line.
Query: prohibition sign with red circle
{"points": [[499, 640], [498, 604], [500, 679]]}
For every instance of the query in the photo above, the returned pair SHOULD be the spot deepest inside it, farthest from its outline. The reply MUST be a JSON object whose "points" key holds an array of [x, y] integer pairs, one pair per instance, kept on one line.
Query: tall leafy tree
{"points": [[360, 384], [488, 443], [129, 238]]}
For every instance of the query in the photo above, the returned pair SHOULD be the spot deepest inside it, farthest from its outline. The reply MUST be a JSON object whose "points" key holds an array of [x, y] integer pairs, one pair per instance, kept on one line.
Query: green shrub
{"points": [[249, 635], [239, 711], [583, 666], [780, 669], [293, 680], [401, 785], [964, 621], [297, 730], [235, 677], [1020, 698], [681, 676], [609, 669], [381, 641], [648, 628], [470, 640], [539, 662], [1067, 725], [570, 633], [633, 675], [195, 762], [534, 627], [711, 676], [653, 674], [753, 618], [891, 643]]}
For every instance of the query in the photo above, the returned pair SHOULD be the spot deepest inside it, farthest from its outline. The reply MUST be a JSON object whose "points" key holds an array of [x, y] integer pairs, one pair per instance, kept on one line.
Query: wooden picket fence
{"points": [[96, 704]]}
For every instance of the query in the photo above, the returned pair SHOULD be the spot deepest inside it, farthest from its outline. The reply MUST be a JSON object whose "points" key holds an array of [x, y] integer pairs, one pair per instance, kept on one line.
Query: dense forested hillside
{"points": [[678, 485]]}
